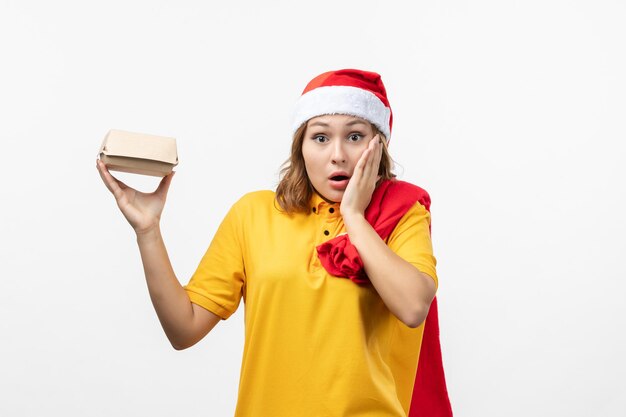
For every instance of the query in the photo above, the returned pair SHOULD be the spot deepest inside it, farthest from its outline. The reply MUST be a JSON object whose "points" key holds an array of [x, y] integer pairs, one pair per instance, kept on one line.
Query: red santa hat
{"points": [[347, 91]]}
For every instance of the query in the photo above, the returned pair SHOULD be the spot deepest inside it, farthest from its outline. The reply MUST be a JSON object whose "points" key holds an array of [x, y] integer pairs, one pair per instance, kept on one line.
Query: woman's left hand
{"points": [[362, 184]]}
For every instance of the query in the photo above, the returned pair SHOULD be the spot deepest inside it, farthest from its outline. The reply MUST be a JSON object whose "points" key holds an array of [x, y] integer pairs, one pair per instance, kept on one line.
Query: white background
{"points": [[511, 114]]}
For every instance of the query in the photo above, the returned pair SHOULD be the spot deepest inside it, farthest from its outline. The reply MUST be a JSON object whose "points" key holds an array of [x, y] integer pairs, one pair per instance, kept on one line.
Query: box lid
{"points": [[140, 145]]}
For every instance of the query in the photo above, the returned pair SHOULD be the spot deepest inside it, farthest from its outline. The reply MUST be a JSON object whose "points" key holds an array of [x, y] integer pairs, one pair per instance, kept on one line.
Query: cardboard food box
{"points": [[139, 153]]}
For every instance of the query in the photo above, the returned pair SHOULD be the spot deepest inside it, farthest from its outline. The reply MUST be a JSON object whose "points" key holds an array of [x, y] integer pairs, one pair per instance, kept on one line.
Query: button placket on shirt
{"points": [[328, 217], [331, 214]]}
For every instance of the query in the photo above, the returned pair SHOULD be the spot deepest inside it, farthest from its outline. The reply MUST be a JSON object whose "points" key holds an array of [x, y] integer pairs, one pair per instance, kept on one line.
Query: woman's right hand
{"points": [[142, 210]]}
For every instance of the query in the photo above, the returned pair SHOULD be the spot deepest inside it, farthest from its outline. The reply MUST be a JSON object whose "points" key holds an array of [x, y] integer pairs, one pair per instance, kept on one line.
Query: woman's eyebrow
{"points": [[351, 123], [319, 124], [356, 122]]}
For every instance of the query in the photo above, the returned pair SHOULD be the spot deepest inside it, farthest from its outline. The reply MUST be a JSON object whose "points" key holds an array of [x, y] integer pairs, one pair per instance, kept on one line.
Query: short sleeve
{"points": [[411, 240], [219, 280]]}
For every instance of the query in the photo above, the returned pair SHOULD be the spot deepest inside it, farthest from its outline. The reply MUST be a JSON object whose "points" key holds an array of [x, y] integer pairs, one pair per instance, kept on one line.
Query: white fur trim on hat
{"points": [[341, 99]]}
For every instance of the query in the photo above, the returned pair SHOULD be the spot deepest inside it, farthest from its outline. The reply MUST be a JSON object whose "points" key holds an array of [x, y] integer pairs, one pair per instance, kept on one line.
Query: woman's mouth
{"points": [[339, 182]]}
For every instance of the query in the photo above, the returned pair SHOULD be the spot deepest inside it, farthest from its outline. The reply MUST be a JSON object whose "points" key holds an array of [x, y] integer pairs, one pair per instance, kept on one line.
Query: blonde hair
{"points": [[294, 190]]}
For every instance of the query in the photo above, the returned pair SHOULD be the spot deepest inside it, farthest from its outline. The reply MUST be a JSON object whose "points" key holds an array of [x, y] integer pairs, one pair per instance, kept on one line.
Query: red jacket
{"points": [[390, 201]]}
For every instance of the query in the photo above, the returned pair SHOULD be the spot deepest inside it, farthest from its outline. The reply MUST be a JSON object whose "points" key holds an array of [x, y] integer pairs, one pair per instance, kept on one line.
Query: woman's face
{"points": [[331, 148]]}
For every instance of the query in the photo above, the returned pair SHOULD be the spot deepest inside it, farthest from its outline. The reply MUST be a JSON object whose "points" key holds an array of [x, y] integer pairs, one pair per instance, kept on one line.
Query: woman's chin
{"points": [[331, 196]]}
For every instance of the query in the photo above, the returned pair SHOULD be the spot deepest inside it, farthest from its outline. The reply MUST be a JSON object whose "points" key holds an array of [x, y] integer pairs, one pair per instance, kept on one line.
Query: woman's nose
{"points": [[339, 153]]}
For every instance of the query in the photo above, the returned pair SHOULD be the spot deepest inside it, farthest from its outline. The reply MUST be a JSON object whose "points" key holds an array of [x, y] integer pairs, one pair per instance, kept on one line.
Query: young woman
{"points": [[335, 268]]}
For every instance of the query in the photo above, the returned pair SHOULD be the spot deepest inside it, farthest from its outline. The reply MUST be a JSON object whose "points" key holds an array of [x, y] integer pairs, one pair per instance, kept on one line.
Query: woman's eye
{"points": [[354, 137], [319, 138]]}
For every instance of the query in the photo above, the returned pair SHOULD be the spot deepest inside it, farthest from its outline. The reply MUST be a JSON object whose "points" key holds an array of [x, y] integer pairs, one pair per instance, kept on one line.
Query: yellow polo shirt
{"points": [[315, 345]]}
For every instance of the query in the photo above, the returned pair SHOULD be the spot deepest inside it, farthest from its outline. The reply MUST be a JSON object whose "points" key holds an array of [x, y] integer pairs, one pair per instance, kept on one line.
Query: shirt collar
{"points": [[318, 205]]}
